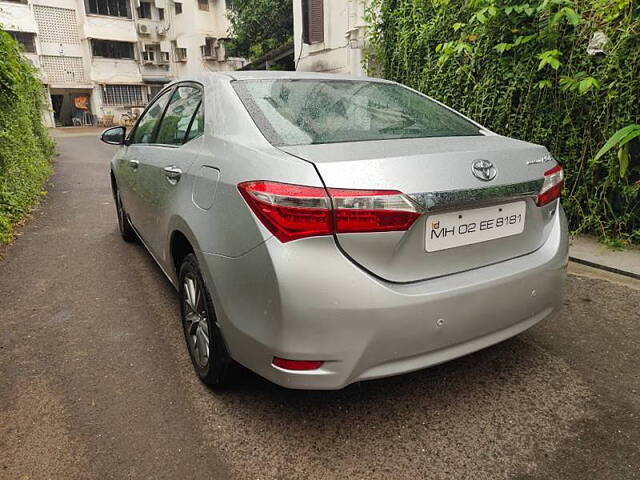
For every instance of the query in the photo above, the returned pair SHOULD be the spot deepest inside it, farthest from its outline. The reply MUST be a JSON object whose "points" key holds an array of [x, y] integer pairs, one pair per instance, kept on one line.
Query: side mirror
{"points": [[114, 135]]}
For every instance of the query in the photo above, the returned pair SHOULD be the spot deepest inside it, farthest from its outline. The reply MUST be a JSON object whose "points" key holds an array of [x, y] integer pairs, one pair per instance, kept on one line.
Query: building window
{"points": [[178, 6], [111, 8], [179, 54], [123, 95], [203, 5], [148, 55], [17, 1], [111, 49], [144, 10], [209, 48], [154, 90], [313, 21], [164, 58], [161, 13], [26, 39]]}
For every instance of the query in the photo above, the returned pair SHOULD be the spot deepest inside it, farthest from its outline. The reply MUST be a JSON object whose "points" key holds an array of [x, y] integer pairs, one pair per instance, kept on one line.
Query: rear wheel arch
{"points": [[179, 248], [181, 244], [124, 225]]}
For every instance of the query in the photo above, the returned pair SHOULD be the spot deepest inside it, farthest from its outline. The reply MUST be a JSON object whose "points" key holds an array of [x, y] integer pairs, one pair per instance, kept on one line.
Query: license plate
{"points": [[455, 229]]}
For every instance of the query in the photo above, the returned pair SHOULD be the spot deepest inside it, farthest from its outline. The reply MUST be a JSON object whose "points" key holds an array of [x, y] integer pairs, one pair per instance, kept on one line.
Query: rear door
{"points": [[141, 137], [165, 162], [438, 174]]}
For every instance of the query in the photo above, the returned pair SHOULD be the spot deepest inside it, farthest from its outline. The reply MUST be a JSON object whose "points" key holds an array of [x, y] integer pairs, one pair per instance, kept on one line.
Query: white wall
{"points": [[67, 50], [113, 70], [33, 58], [71, 4], [344, 31], [17, 17]]}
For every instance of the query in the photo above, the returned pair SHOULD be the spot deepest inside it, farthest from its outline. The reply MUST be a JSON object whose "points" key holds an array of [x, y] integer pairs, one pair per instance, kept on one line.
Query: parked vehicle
{"points": [[323, 230]]}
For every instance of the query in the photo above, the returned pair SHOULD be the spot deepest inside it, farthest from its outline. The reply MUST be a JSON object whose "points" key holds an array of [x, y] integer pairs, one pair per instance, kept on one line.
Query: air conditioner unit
{"points": [[144, 29]]}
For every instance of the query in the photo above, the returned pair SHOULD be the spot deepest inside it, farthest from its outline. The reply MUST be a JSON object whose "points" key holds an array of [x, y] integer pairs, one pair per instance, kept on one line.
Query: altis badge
{"points": [[544, 159]]}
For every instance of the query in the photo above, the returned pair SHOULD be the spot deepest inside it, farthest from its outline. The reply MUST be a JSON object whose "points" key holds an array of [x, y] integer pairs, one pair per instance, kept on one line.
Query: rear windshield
{"points": [[304, 112]]}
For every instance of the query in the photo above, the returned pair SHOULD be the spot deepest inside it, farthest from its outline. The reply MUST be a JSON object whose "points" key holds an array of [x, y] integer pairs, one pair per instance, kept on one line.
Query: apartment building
{"points": [[102, 59], [329, 35]]}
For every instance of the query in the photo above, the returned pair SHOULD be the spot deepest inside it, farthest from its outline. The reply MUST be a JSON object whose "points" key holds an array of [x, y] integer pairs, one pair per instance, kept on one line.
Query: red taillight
{"points": [[289, 211], [296, 364], [552, 186], [295, 211]]}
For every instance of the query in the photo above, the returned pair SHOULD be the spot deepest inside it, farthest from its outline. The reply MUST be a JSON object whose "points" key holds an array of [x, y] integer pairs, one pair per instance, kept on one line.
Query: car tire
{"points": [[208, 352], [126, 230]]}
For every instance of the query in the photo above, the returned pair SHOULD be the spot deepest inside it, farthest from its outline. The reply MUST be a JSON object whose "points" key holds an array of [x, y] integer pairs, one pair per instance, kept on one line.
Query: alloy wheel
{"points": [[195, 320]]}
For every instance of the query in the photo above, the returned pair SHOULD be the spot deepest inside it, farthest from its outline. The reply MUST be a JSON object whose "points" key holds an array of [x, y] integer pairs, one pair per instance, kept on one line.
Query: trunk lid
{"points": [[437, 174]]}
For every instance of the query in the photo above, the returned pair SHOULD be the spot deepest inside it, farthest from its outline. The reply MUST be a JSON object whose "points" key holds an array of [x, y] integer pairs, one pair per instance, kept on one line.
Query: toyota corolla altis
{"points": [[323, 230]]}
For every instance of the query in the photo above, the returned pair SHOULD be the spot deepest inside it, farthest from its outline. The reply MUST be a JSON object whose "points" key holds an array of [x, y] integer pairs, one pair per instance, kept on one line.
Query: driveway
{"points": [[97, 384]]}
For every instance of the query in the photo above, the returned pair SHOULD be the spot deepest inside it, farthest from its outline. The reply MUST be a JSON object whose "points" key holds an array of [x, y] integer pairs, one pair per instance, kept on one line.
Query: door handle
{"points": [[134, 164], [173, 174]]}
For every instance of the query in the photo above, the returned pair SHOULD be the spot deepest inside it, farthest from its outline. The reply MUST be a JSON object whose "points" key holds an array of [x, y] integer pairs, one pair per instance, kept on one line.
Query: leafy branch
{"points": [[620, 140]]}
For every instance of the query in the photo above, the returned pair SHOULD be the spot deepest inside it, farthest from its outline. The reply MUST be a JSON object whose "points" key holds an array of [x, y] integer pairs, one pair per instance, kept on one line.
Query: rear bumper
{"points": [[306, 301]]}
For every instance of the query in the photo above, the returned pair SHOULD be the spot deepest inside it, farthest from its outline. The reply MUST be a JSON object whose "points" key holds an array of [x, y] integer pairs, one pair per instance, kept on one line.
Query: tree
{"points": [[258, 26]]}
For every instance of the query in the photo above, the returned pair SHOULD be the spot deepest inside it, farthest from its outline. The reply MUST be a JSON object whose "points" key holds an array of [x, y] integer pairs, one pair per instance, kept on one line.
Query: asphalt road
{"points": [[96, 382]]}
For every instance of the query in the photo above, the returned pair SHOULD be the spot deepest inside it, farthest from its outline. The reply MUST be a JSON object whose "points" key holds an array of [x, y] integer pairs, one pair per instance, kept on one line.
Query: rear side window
{"points": [[147, 124], [177, 119], [304, 112]]}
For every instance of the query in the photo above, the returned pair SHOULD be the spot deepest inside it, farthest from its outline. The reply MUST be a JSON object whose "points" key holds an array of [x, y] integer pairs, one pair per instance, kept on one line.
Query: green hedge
{"points": [[25, 147], [522, 69]]}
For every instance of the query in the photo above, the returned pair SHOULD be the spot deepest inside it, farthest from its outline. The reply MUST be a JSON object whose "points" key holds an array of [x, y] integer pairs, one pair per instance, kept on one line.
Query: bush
{"points": [[25, 147], [522, 69]]}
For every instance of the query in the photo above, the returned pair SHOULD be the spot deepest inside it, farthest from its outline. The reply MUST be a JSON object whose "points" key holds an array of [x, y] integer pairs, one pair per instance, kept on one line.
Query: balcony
{"points": [[112, 70], [109, 28]]}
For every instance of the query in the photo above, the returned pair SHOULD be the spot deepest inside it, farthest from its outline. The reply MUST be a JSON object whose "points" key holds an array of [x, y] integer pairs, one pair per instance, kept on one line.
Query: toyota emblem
{"points": [[483, 170]]}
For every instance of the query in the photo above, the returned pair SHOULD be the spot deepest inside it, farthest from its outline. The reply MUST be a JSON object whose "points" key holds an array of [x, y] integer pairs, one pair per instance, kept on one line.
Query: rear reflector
{"points": [[296, 364], [296, 211], [552, 186]]}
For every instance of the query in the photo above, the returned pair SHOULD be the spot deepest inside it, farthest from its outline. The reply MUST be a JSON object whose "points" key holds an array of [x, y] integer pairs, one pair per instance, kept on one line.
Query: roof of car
{"points": [[277, 75]]}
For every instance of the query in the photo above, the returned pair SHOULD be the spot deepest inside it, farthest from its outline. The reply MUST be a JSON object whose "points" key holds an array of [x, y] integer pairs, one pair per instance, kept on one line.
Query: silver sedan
{"points": [[323, 230]]}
